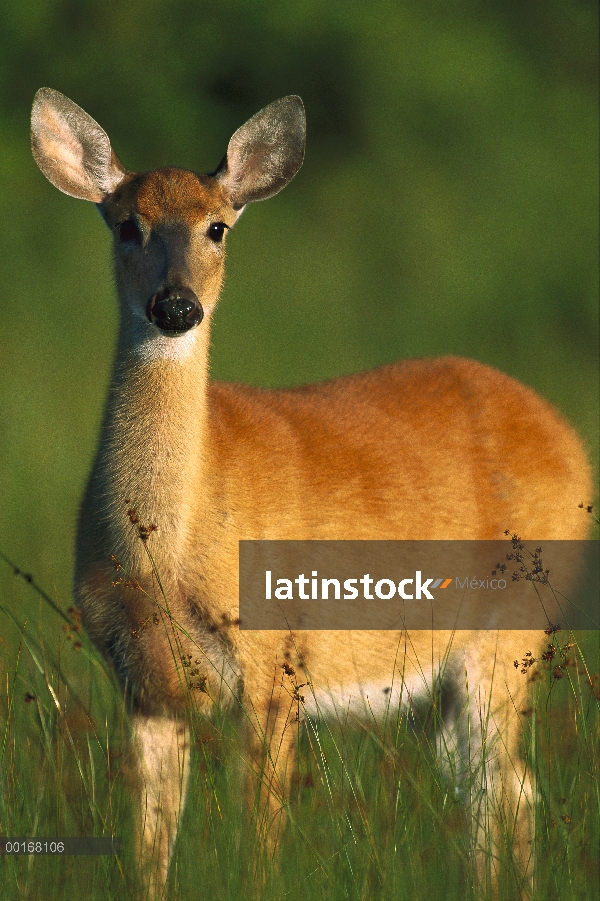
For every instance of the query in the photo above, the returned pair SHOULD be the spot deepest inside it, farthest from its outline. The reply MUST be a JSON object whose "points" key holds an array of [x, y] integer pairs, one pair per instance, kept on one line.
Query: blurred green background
{"points": [[447, 204]]}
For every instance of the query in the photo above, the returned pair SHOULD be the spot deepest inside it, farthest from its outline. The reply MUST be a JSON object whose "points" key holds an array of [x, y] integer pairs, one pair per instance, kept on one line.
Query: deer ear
{"points": [[265, 153], [71, 149]]}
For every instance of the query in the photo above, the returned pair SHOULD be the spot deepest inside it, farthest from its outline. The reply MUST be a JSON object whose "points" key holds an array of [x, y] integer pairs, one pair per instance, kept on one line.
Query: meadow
{"points": [[447, 204], [371, 814]]}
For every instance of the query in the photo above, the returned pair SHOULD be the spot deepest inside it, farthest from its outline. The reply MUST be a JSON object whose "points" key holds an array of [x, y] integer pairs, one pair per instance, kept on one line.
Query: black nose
{"points": [[175, 310]]}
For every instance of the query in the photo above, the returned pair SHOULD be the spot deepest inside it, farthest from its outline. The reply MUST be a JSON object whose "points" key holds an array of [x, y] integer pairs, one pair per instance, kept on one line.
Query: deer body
{"points": [[445, 448]]}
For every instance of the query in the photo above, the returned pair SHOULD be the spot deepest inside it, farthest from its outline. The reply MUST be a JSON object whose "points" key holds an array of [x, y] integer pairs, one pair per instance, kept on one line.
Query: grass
{"points": [[371, 815]]}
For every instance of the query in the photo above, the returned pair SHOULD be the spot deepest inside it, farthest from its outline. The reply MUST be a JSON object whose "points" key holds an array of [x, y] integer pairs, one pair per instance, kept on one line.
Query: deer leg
{"points": [[162, 752], [271, 743], [499, 787]]}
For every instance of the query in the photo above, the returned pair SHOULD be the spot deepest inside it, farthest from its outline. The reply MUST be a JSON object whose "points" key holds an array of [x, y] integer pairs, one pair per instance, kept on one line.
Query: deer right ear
{"points": [[265, 153], [71, 149]]}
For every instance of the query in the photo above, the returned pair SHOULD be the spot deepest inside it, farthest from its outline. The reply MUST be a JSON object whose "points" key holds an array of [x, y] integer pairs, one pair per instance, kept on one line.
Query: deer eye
{"points": [[216, 230], [129, 232]]}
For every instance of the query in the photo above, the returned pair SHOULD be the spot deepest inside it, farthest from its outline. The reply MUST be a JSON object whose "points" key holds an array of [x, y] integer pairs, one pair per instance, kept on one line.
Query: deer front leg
{"points": [[162, 756], [270, 742]]}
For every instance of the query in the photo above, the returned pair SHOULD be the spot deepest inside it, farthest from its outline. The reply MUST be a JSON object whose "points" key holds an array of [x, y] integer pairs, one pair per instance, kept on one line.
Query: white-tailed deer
{"points": [[426, 449]]}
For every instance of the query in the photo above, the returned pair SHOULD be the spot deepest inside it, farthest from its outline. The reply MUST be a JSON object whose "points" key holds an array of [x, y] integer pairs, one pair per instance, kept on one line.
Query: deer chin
{"points": [[154, 345]]}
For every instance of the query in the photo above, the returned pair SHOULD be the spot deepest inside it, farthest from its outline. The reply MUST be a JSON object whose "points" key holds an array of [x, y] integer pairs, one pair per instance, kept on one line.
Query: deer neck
{"points": [[151, 462]]}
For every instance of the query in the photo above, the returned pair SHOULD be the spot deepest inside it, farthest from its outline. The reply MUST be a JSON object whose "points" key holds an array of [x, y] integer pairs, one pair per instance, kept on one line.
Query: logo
{"points": [[385, 589]]}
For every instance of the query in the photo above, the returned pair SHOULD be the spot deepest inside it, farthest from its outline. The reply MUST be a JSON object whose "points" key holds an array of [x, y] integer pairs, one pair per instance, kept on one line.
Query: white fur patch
{"points": [[153, 346], [374, 700]]}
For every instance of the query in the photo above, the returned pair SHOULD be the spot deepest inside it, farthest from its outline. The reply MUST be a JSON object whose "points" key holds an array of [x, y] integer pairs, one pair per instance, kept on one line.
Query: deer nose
{"points": [[175, 310]]}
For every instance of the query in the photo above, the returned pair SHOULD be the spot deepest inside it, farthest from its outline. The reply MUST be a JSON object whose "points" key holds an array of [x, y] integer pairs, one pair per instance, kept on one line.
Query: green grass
{"points": [[370, 815]]}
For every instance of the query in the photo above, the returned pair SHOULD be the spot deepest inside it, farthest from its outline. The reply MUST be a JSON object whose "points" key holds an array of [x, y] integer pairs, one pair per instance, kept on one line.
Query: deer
{"points": [[434, 448]]}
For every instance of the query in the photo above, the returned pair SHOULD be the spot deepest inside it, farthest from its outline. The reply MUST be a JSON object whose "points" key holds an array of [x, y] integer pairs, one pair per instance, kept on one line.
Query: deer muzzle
{"points": [[175, 310]]}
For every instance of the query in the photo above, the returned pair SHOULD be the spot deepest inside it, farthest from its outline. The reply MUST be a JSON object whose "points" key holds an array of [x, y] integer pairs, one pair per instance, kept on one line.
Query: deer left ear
{"points": [[71, 149], [265, 153]]}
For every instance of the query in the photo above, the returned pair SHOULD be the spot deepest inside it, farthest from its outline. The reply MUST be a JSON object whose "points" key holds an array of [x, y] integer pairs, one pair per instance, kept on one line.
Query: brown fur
{"points": [[425, 449], [177, 189]]}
